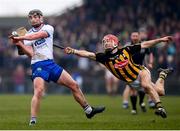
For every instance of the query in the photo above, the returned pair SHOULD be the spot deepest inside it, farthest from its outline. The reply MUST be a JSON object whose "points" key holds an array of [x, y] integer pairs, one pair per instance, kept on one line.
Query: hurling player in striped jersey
{"points": [[119, 62]]}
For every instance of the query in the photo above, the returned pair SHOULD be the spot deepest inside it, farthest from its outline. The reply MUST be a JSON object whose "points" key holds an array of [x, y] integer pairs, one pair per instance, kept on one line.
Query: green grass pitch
{"points": [[63, 113]]}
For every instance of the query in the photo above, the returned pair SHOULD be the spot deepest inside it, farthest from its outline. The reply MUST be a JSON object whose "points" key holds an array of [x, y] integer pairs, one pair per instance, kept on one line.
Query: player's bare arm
{"points": [[33, 36], [28, 50], [82, 53], [150, 43]]}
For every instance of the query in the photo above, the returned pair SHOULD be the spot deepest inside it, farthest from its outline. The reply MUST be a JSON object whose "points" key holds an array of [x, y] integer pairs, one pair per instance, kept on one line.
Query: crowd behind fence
{"points": [[83, 28]]}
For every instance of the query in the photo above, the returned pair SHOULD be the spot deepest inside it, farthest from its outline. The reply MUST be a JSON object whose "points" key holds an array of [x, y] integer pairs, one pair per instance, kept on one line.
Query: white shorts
{"points": [[137, 84]]}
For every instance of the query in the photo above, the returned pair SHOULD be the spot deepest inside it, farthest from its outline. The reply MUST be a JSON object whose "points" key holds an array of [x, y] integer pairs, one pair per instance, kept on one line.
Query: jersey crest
{"points": [[121, 64]]}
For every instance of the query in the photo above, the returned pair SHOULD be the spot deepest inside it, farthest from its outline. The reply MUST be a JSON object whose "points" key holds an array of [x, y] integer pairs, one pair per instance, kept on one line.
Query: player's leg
{"points": [[133, 98], [141, 94], [66, 80], [38, 84], [115, 85], [109, 84], [135, 87], [146, 83], [126, 92], [159, 85]]}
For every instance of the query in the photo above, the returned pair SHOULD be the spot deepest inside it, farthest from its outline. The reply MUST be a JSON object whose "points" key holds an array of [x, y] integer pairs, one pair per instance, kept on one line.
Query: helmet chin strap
{"points": [[109, 50], [37, 25], [114, 45]]}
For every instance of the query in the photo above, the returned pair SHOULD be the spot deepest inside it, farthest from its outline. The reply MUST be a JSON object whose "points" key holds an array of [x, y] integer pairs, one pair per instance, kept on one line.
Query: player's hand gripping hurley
{"points": [[18, 32], [21, 32]]}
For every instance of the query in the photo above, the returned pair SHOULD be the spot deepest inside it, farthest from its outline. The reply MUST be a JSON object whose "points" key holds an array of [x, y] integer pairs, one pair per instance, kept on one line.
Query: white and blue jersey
{"points": [[42, 63], [43, 48]]}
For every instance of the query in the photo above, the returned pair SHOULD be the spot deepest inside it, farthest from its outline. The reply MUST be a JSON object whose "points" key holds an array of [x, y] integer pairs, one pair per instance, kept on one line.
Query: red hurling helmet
{"points": [[110, 42]]}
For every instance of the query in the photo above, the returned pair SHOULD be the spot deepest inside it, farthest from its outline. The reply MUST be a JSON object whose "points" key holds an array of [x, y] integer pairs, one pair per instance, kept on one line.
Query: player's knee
{"points": [[146, 88], [161, 92], [38, 92]]}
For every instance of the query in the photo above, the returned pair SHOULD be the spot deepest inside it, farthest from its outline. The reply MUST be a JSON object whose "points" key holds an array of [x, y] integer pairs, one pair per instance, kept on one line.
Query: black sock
{"points": [[158, 104], [133, 102], [141, 97]]}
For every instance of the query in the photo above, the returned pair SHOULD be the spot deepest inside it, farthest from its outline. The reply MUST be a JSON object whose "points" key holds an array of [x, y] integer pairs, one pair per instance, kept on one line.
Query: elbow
{"points": [[30, 56]]}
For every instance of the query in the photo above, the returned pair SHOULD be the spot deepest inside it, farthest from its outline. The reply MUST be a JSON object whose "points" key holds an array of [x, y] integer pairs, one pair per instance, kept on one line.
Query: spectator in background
{"points": [[19, 79], [111, 83]]}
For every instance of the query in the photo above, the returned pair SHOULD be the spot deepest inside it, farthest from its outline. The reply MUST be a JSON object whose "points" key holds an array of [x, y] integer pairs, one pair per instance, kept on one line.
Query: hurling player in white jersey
{"points": [[38, 45], [43, 47]]}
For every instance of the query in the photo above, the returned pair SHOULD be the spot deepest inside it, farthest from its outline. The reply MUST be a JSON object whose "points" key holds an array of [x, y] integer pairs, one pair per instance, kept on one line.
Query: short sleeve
{"points": [[28, 42], [49, 29], [100, 57]]}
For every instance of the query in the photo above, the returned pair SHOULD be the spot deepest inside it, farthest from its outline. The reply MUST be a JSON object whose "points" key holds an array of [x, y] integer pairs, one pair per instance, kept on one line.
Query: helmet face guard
{"points": [[110, 42], [38, 14]]}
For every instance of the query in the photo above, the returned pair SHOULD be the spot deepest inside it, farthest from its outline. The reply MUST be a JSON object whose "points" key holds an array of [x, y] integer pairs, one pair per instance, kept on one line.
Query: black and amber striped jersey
{"points": [[138, 58], [121, 63]]}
